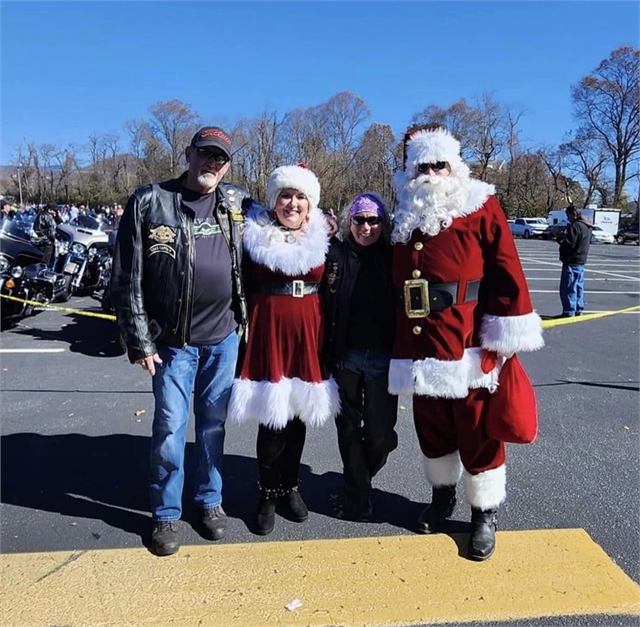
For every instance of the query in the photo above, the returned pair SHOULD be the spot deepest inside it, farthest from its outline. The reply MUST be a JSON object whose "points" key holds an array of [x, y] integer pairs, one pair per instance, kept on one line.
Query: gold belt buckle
{"points": [[416, 298], [297, 290]]}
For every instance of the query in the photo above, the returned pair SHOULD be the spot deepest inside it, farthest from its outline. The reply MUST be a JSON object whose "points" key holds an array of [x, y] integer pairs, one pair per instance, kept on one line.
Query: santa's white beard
{"points": [[429, 203]]}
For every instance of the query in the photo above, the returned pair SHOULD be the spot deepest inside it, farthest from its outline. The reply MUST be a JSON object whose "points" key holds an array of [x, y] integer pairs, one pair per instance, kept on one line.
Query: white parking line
{"points": [[619, 276], [588, 279], [32, 350], [586, 292]]}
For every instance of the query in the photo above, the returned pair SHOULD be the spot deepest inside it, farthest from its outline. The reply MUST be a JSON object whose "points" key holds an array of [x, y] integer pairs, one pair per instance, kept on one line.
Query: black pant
{"points": [[47, 249], [279, 452], [365, 425]]}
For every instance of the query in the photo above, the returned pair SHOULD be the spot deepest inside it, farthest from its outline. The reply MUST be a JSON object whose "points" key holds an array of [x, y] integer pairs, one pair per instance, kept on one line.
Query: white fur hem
{"points": [[275, 404], [486, 490], [443, 471], [511, 334], [265, 243], [440, 378]]}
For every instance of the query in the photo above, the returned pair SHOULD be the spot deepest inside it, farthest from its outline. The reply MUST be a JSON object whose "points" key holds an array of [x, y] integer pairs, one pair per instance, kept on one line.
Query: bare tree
{"points": [[607, 104]]}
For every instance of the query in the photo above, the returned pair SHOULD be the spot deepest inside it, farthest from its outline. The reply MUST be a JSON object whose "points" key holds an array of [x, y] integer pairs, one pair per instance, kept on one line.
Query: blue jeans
{"points": [[207, 372], [572, 289]]}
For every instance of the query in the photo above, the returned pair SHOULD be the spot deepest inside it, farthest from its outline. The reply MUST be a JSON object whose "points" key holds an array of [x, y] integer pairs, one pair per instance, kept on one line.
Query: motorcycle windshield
{"points": [[20, 227]]}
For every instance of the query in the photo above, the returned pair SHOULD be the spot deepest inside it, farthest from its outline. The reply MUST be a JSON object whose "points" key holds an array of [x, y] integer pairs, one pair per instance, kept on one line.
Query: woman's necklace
{"points": [[290, 238]]}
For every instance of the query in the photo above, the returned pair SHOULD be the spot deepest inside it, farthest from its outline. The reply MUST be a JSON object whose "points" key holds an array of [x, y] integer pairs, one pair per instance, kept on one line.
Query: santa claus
{"points": [[464, 309]]}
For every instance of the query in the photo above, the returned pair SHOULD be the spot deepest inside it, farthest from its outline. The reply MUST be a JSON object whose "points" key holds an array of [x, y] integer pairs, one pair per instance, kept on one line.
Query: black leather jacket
{"points": [[45, 226], [341, 272], [153, 264]]}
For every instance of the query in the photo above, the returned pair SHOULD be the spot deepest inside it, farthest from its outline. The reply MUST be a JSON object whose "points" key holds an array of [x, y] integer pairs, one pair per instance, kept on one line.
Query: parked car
{"points": [[528, 227], [554, 231], [628, 234], [600, 236]]}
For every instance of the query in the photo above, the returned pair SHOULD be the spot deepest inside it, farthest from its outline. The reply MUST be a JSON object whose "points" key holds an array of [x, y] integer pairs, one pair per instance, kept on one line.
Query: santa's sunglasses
{"points": [[423, 168], [207, 154], [370, 220]]}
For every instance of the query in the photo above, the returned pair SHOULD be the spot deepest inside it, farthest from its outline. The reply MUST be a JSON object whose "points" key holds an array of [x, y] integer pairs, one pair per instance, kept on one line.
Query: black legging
{"points": [[47, 249], [279, 452]]}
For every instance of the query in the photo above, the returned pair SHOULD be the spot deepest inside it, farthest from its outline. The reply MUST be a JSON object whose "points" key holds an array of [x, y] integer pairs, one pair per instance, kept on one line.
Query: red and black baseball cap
{"points": [[214, 137]]}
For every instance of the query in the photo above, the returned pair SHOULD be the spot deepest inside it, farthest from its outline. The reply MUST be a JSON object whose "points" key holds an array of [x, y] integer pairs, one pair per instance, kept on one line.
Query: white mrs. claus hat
{"points": [[296, 177]]}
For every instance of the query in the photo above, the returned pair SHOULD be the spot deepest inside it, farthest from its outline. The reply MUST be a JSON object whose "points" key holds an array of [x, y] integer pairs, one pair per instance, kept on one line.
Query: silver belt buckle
{"points": [[297, 290]]}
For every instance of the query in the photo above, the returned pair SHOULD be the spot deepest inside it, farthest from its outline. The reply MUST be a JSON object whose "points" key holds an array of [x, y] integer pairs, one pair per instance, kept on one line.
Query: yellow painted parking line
{"points": [[398, 580], [549, 324]]}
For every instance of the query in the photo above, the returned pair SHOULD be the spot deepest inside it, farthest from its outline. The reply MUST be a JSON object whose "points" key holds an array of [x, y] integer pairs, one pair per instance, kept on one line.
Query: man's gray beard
{"points": [[205, 180], [429, 203]]}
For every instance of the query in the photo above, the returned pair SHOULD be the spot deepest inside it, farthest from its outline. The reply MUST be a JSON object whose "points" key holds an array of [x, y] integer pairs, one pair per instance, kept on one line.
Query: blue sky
{"points": [[72, 68]]}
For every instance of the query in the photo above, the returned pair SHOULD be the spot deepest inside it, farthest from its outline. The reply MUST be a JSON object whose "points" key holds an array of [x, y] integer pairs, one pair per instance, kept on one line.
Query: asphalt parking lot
{"points": [[76, 419]]}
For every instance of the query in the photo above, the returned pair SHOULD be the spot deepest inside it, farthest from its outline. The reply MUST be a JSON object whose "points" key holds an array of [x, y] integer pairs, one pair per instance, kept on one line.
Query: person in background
{"points": [[8, 212], [177, 290], [359, 302], [574, 248], [283, 386], [45, 229]]}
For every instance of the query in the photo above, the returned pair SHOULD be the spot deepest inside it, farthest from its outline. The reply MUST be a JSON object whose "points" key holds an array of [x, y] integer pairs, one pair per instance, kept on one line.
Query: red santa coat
{"points": [[440, 355], [282, 376]]}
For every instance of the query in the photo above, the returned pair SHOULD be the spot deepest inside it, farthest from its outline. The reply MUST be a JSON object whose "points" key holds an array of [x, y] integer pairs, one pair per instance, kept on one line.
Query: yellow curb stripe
{"points": [[399, 580], [548, 324], [79, 312]]}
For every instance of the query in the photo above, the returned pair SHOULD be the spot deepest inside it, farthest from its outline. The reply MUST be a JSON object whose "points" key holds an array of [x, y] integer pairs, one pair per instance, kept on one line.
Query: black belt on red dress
{"points": [[297, 289], [443, 295]]}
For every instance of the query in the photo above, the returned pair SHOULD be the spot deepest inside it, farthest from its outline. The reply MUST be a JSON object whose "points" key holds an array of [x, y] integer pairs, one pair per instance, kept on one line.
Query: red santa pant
{"points": [[445, 425]]}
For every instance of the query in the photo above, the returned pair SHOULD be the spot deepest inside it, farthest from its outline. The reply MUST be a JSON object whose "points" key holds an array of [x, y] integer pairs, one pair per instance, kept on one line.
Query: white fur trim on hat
{"points": [[486, 490], [294, 177], [431, 147], [276, 404]]}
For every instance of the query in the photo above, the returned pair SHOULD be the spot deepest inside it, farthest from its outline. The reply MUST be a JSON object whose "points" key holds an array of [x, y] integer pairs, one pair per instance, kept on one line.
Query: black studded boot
{"points": [[432, 517], [482, 542], [266, 514], [291, 505]]}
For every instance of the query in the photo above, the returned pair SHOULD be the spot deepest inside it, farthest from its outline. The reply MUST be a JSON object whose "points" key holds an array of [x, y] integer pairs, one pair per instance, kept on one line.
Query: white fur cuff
{"points": [[511, 334], [486, 490], [443, 471], [275, 404]]}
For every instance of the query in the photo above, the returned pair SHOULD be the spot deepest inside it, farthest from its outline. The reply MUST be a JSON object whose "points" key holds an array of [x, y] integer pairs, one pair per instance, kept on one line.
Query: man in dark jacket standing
{"points": [[574, 247], [177, 290], [45, 228]]}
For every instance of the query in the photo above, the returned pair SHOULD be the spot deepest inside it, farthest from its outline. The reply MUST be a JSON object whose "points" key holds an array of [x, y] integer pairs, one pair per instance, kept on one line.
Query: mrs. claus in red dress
{"points": [[282, 385]]}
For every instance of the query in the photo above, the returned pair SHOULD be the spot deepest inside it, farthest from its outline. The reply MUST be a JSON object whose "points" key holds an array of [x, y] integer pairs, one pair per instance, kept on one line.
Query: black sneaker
{"points": [[215, 522], [165, 539]]}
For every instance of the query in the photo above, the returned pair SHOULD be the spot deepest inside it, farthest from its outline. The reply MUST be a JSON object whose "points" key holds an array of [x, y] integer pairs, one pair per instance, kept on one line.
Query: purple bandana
{"points": [[365, 203]]}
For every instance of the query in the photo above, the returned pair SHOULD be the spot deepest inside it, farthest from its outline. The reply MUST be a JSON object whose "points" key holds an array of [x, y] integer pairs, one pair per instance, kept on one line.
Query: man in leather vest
{"points": [[177, 290]]}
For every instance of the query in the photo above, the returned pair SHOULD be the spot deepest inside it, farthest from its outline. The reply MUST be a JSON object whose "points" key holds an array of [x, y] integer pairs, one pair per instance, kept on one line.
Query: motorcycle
{"points": [[83, 253], [22, 273]]}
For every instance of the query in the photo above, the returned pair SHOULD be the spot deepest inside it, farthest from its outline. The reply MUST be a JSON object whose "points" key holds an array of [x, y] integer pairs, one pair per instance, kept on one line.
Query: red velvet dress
{"points": [[282, 377]]}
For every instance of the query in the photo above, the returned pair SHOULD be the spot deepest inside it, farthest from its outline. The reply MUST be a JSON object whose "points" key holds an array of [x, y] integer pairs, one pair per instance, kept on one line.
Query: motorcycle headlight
{"points": [[78, 249], [16, 272], [4, 264]]}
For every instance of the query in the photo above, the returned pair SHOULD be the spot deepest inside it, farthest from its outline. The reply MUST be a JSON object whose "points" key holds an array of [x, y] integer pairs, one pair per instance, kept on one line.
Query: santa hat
{"points": [[295, 177], [431, 146]]}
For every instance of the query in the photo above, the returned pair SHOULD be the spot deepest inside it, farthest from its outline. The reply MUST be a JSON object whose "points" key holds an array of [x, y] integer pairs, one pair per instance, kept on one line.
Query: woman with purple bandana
{"points": [[360, 312]]}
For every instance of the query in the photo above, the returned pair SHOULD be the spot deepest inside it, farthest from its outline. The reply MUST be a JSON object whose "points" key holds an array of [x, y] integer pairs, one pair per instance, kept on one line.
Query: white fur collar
{"points": [[265, 243], [477, 194]]}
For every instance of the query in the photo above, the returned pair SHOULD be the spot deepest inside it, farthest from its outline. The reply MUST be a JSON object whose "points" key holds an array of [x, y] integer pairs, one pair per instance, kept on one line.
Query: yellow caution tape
{"points": [[548, 324], [79, 312]]}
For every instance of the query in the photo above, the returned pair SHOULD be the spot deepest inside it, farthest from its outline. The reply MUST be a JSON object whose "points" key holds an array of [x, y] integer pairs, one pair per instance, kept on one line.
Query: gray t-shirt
{"points": [[212, 318]]}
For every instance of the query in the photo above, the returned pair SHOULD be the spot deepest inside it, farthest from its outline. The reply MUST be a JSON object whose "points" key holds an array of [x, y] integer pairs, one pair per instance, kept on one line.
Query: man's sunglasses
{"points": [[423, 168], [219, 157], [370, 220]]}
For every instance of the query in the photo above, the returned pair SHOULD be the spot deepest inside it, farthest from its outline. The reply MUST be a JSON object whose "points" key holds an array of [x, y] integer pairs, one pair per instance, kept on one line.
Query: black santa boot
{"points": [[433, 517], [482, 542]]}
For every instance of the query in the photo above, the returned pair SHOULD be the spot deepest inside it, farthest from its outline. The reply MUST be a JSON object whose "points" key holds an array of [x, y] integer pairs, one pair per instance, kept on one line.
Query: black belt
{"points": [[297, 289], [444, 295]]}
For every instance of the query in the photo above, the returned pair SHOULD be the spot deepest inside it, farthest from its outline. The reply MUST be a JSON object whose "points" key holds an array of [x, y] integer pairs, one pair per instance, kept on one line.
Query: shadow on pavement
{"points": [[105, 478], [94, 337]]}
